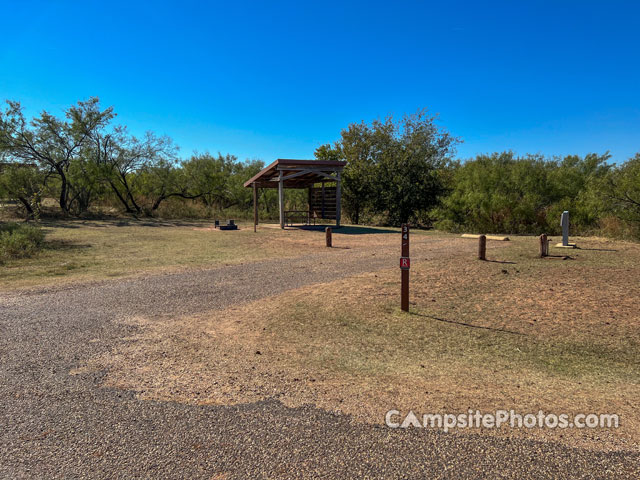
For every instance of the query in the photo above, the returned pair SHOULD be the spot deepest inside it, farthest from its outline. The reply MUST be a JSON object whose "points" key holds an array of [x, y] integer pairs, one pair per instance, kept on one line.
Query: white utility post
{"points": [[564, 223]]}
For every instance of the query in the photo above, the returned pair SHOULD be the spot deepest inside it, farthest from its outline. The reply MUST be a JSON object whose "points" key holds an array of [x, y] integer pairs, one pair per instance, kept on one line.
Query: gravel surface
{"points": [[55, 425]]}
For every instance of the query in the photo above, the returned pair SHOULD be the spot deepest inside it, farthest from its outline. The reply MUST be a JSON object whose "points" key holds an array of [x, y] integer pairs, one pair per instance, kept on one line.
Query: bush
{"points": [[502, 193], [19, 240]]}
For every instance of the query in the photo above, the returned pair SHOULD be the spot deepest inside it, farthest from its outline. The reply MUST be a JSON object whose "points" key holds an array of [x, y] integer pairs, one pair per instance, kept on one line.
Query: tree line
{"points": [[406, 171], [397, 171], [85, 158]]}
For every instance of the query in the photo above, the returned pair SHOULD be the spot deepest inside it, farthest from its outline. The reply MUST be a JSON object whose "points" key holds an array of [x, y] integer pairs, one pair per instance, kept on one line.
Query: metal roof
{"points": [[296, 173]]}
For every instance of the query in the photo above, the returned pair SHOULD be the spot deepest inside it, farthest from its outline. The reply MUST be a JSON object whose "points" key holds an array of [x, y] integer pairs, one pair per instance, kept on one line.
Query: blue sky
{"points": [[277, 79]]}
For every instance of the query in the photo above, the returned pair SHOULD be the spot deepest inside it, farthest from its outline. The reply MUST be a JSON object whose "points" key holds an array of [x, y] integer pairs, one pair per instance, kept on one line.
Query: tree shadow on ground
{"points": [[559, 257], [121, 222], [346, 229], [64, 245]]}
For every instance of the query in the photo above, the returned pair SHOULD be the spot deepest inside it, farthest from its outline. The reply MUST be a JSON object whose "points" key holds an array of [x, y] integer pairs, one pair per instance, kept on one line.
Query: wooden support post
{"points": [[404, 269], [323, 201], [328, 236], [338, 200], [544, 245], [281, 199], [482, 247], [255, 207]]}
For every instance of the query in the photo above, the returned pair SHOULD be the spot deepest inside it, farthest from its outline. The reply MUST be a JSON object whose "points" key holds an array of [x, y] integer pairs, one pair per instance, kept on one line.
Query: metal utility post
{"points": [[564, 223], [405, 264]]}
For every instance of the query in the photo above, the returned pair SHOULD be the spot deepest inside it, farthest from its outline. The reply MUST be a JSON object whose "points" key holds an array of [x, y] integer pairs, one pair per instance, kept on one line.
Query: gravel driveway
{"points": [[56, 425]]}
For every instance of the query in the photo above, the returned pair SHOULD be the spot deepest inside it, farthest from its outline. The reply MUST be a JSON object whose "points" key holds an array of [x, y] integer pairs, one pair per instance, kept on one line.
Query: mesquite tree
{"points": [[393, 167], [55, 146]]}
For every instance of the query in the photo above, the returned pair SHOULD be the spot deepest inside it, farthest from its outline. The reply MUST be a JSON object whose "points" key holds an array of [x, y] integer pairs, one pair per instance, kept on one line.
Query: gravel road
{"points": [[56, 425]]}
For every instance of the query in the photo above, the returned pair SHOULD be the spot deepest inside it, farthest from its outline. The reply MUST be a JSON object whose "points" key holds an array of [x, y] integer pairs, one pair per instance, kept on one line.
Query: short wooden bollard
{"points": [[328, 236], [544, 246], [482, 247]]}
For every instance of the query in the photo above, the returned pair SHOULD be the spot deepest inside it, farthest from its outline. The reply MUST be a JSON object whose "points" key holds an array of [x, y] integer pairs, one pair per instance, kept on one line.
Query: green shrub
{"points": [[503, 193], [19, 240]]}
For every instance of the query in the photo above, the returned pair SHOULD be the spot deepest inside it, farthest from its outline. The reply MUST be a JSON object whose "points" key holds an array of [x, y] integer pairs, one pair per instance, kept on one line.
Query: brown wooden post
{"points": [[338, 200], [544, 245], [405, 264], [482, 247], [255, 207], [281, 198], [328, 236]]}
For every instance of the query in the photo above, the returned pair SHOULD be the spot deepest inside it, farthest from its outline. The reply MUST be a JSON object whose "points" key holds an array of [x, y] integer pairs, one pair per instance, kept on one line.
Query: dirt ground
{"points": [[560, 334]]}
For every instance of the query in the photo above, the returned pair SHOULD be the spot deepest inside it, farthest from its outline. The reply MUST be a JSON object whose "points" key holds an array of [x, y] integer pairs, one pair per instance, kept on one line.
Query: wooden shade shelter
{"points": [[324, 201]]}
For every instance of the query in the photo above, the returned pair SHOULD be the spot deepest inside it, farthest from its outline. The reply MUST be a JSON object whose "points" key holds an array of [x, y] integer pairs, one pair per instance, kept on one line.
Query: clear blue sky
{"points": [[277, 79]]}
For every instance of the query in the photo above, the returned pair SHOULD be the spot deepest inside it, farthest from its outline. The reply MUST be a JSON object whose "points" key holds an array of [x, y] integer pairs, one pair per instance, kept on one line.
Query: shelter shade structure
{"points": [[324, 200]]}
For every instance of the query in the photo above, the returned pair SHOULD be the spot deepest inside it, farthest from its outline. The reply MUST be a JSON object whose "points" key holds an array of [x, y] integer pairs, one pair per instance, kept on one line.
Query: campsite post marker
{"points": [[405, 264], [482, 247], [544, 245]]}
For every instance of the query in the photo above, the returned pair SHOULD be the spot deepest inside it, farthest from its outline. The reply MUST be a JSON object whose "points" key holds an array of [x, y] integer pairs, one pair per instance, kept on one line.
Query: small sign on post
{"points": [[405, 264]]}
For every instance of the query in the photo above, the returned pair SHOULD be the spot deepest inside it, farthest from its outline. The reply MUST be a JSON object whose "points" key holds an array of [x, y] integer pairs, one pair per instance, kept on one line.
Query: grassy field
{"points": [[97, 250], [557, 334], [82, 250]]}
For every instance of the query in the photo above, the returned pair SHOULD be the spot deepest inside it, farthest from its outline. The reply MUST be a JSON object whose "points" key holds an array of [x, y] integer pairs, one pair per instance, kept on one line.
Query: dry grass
{"points": [[79, 250], [529, 334]]}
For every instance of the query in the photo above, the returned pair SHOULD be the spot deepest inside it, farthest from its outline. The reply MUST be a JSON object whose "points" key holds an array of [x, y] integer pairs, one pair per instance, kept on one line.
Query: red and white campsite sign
{"points": [[405, 263]]}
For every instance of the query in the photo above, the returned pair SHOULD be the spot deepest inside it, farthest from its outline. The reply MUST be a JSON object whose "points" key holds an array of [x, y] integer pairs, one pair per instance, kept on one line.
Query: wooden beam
{"points": [[309, 171], [281, 199], [489, 237], [297, 174]]}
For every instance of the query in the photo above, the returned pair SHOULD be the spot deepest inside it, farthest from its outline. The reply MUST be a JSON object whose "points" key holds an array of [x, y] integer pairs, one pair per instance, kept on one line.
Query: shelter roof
{"points": [[296, 173]]}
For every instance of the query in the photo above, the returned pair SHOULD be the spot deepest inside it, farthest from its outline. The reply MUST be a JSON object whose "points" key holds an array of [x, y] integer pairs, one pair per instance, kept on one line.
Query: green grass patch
{"points": [[19, 241], [77, 250]]}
